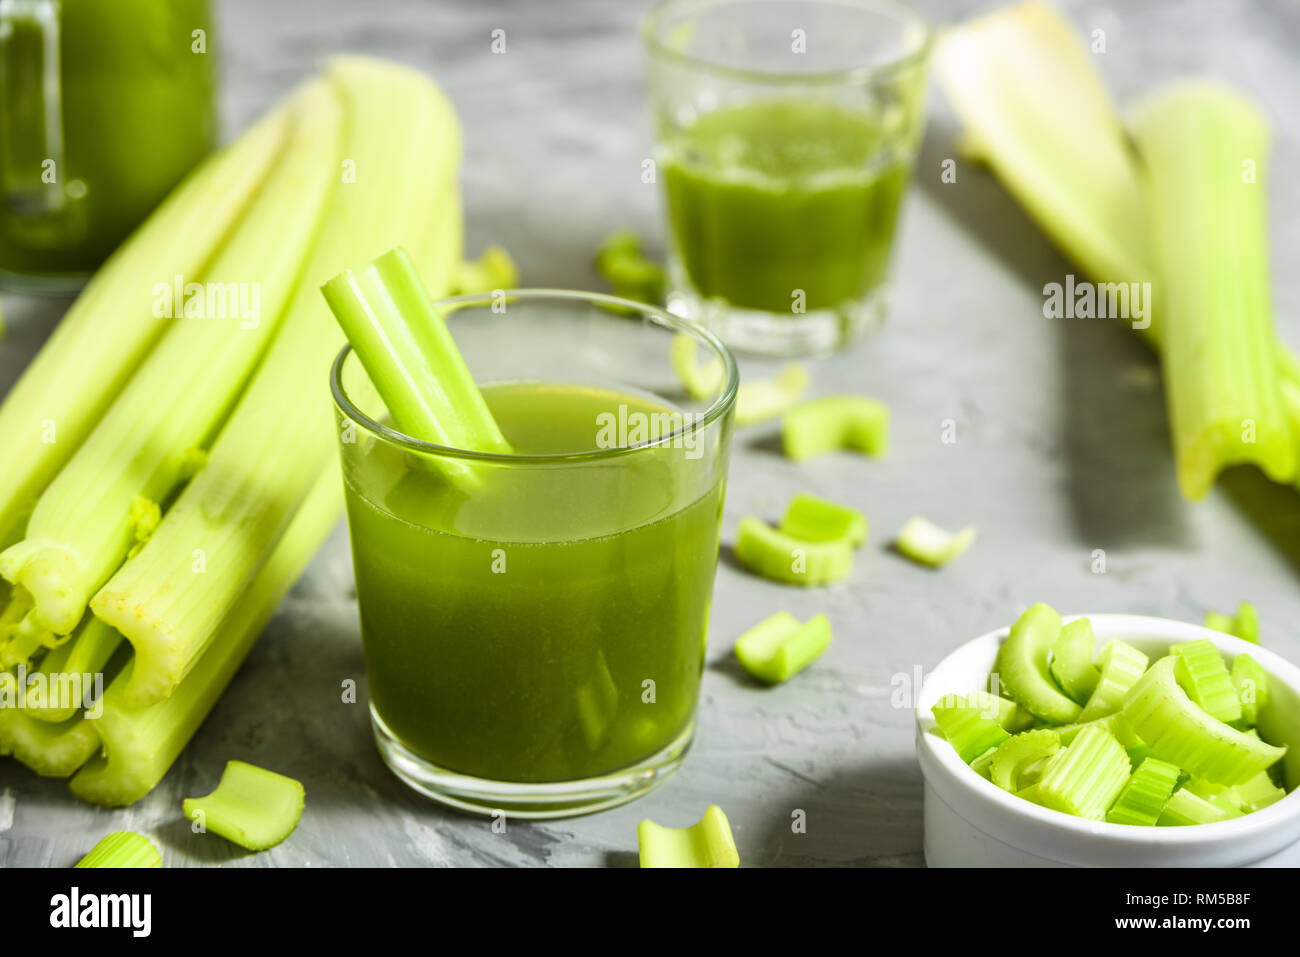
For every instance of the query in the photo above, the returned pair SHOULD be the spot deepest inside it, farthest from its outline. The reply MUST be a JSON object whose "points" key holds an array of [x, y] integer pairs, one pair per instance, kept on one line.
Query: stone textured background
{"points": [[1062, 448]]}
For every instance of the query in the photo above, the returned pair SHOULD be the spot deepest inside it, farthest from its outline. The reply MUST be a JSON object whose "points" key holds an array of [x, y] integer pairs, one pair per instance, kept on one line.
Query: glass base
{"points": [[529, 801], [782, 334]]}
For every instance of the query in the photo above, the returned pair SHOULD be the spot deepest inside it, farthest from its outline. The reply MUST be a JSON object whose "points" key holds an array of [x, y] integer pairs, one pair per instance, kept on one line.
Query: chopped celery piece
{"points": [[1145, 795], [926, 543], [1221, 797], [1018, 752], [1177, 730], [1071, 661], [1258, 792], [1006, 713], [1114, 723], [767, 398], [1022, 667], [140, 744], [1203, 675], [409, 354], [779, 648], [51, 750], [1251, 684], [701, 381], [1085, 778], [780, 557], [122, 849], [492, 271], [1121, 667], [1208, 228], [629, 273], [252, 807], [82, 528], [967, 729], [816, 519], [1184, 808], [1244, 624], [707, 843], [281, 435], [109, 330], [835, 422], [983, 765]]}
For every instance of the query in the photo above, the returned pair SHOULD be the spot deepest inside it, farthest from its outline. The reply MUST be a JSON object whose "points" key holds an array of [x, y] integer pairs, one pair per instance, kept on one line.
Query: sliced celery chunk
{"points": [[1251, 684], [1203, 675], [1020, 751], [1022, 667], [707, 843], [1258, 792], [767, 398], [1145, 795], [782, 558], [1085, 778], [1184, 808], [1121, 666], [777, 649], [1071, 661], [492, 271], [1244, 624], [1006, 713], [967, 729], [252, 807], [122, 849], [814, 519], [834, 422], [927, 544]]}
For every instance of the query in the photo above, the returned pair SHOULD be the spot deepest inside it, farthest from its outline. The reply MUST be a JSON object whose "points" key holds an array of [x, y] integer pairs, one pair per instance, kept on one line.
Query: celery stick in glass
{"points": [[814, 519], [1203, 675], [280, 435], [780, 557], [707, 843], [1071, 662], [824, 425], [1145, 795], [82, 527], [1121, 667], [1018, 752], [1177, 730], [1022, 666], [252, 807], [1086, 777], [767, 398], [778, 648], [927, 544], [122, 849]]}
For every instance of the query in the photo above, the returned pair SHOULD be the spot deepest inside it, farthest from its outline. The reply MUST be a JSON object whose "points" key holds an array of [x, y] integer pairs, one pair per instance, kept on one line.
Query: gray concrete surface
{"points": [[1061, 449]]}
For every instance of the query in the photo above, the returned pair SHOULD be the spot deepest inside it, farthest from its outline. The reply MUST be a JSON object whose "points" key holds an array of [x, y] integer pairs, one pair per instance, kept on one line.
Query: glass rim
{"points": [[725, 400], [855, 74]]}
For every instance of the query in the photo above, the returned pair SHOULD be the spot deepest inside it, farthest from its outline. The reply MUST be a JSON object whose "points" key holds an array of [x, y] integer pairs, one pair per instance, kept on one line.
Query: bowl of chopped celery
{"points": [[1110, 741]]}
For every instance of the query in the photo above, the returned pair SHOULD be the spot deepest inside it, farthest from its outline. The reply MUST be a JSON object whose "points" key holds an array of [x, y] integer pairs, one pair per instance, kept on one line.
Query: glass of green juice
{"points": [[534, 631], [785, 134]]}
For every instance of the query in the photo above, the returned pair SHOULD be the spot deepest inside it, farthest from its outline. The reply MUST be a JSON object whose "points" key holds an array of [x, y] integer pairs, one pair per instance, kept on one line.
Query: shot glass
{"points": [[534, 630], [785, 135]]}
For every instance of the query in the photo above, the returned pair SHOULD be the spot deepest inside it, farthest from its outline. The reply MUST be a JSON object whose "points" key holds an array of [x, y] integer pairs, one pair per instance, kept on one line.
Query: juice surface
{"points": [[514, 639], [779, 195]]}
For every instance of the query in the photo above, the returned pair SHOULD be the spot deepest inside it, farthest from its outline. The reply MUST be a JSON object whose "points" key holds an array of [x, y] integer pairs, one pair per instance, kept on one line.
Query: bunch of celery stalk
{"points": [[169, 473], [1175, 199]]}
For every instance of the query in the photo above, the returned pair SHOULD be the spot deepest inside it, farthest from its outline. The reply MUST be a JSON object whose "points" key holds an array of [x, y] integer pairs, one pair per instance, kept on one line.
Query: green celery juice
{"points": [[781, 195], [549, 626]]}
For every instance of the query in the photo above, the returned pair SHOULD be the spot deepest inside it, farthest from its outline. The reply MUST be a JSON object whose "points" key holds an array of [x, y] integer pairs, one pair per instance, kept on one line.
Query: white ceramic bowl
{"points": [[971, 822]]}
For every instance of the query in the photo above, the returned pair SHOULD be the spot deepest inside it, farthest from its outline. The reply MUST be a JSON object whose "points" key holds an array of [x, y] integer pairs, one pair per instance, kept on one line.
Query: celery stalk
{"points": [[966, 728], [1022, 666], [140, 744], [1086, 777], [1210, 241], [1071, 662], [281, 433], [707, 843], [1014, 755], [82, 527], [87, 653], [1251, 684], [252, 807], [1121, 667], [51, 750], [815, 519], [780, 557], [1184, 808], [1145, 795], [122, 849], [111, 327], [779, 648], [834, 422], [1203, 675]]}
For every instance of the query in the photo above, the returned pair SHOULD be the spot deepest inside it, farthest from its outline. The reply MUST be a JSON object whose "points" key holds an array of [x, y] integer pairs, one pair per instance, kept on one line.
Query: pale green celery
{"points": [[1010, 715], [123, 849], [983, 765], [1071, 661], [1244, 624], [1251, 684], [51, 750], [1022, 666], [927, 544], [492, 271], [967, 729], [109, 330], [1018, 752], [252, 807], [171, 599], [145, 515], [815, 519], [1145, 795], [1210, 240], [835, 422], [87, 653], [82, 527], [1121, 667], [707, 843], [1086, 777], [1114, 723], [1259, 792], [412, 360], [780, 557], [1185, 808], [629, 273], [1177, 730], [140, 744], [1221, 797], [1203, 675], [778, 648], [768, 398], [700, 380]]}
